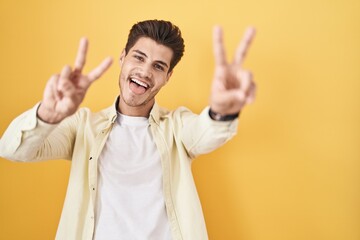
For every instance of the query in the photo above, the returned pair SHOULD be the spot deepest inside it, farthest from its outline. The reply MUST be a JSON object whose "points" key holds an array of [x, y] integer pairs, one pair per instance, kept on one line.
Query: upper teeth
{"points": [[140, 83]]}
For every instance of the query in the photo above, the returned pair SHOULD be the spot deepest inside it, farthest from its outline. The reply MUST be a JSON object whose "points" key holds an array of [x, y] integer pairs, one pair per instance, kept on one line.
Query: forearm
{"points": [[29, 139], [201, 134]]}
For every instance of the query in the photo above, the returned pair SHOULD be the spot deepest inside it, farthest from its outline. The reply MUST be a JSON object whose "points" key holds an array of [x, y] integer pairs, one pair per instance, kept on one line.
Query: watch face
{"points": [[217, 116]]}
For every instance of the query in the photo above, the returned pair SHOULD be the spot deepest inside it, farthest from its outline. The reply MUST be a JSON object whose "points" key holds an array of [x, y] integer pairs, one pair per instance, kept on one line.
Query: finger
{"points": [[251, 94], [231, 101], [50, 92], [99, 70], [81, 55], [64, 80], [245, 78], [244, 46], [218, 44], [56, 93], [221, 74]]}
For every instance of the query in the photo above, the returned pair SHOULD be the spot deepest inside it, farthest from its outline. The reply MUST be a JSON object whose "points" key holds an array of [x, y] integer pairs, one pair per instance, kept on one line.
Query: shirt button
{"points": [[90, 158]]}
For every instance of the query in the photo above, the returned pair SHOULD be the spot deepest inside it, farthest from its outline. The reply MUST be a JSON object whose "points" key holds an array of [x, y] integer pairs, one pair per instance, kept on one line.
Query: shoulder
{"points": [[176, 113], [178, 117], [85, 116]]}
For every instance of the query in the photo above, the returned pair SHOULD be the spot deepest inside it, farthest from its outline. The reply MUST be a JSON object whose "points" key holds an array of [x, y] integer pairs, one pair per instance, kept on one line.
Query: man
{"points": [[131, 163]]}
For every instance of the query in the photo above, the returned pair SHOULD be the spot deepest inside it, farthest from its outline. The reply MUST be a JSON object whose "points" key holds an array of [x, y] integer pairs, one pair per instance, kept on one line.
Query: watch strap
{"points": [[219, 117]]}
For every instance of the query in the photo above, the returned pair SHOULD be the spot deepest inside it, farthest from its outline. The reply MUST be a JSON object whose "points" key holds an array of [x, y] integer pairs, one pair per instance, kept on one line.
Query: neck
{"points": [[135, 111]]}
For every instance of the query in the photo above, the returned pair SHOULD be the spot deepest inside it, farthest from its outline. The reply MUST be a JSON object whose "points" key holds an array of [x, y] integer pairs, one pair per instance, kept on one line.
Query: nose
{"points": [[146, 71]]}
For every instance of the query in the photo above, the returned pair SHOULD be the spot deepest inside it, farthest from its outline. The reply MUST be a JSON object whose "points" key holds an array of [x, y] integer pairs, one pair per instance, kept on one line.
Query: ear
{"points": [[169, 75], [122, 57]]}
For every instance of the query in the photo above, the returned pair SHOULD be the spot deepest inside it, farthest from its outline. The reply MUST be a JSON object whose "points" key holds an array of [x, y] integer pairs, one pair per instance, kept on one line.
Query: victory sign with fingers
{"points": [[233, 86], [64, 92]]}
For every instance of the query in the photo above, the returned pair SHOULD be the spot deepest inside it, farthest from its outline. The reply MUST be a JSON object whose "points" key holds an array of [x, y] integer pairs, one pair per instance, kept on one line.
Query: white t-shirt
{"points": [[130, 202]]}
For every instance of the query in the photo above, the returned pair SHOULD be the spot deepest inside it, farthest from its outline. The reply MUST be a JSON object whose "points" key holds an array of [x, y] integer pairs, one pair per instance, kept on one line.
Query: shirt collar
{"points": [[154, 113]]}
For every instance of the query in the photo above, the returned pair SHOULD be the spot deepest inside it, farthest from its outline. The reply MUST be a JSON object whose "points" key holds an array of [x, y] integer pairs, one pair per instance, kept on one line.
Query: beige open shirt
{"points": [[180, 136]]}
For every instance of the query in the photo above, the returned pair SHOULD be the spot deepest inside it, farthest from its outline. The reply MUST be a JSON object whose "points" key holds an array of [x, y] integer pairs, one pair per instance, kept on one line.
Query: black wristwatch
{"points": [[219, 117]]}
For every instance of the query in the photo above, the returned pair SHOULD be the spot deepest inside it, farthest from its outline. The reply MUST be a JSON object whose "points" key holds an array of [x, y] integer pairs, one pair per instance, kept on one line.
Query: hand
{"points": [[232, 86], [64, 93]]}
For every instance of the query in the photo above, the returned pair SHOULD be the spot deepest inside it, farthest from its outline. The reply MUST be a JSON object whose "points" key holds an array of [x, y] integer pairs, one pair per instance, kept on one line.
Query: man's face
{"points": [[144, 71]]}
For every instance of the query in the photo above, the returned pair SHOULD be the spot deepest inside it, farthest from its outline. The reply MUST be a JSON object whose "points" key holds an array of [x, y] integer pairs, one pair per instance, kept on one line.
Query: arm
{"points": [[201, 134], [232, 89], [29, 139], [48, 130]]}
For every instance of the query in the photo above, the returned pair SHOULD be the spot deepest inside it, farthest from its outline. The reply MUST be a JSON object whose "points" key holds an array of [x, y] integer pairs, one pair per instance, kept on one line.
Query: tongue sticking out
{"points": [[137, 89]]}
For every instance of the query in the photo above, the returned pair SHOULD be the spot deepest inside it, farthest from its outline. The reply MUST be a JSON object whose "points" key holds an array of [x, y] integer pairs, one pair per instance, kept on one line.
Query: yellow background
{"points": [[293, 170]]}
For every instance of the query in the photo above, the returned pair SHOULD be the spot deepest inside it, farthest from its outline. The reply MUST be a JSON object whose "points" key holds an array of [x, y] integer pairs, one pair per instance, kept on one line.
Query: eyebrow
{"points": [[158, 61]]}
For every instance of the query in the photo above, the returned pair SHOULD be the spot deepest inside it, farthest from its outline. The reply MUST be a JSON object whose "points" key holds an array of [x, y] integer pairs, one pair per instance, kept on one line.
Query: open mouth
{"points": [[137, 86]]}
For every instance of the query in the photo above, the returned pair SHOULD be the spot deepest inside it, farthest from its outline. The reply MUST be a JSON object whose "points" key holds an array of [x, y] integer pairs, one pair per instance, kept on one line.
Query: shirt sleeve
{"points": [[29, 139], [201, 134]]}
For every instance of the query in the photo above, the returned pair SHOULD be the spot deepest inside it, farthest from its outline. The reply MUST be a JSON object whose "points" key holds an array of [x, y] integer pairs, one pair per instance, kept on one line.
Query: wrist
{"points": [[222, 117], [47, 115]]}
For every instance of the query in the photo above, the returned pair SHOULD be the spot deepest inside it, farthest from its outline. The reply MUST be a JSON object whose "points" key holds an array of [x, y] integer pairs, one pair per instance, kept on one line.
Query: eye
{"points": [[159, 67], [140, 58]]}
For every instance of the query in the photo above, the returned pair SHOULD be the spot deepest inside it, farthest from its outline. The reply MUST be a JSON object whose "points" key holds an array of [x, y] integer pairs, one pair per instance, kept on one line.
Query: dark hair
{"points": [[162, 32]]}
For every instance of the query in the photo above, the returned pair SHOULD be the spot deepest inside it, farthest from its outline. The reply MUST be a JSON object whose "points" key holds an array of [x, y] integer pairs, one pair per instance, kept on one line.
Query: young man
{"points": [[131, 163]]}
